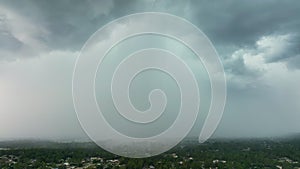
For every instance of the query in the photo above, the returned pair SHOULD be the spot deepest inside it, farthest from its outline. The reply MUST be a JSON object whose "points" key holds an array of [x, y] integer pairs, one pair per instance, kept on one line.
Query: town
{"points": [[253, 153]]}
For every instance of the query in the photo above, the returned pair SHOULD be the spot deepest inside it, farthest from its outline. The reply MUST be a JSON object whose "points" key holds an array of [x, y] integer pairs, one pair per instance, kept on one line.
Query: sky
{"points": [[258, 43]]}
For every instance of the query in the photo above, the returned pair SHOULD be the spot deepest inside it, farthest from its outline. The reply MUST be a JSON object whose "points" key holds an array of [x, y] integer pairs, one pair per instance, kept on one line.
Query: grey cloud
{"points": [[19, 36], [250, 62], [236, 66], [229, 24], [69, 23], [234, 24], [294, 62], [8, 45], [9, 42], [234, 27], [283, 48]]}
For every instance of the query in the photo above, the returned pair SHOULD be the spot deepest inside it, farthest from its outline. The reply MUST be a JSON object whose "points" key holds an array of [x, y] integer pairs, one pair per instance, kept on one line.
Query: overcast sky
{"points": [[258, 42]]}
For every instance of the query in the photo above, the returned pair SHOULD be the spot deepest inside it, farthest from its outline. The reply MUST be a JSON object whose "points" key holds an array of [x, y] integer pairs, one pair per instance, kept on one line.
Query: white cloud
{"points": [[276, 47], [247, 65]]}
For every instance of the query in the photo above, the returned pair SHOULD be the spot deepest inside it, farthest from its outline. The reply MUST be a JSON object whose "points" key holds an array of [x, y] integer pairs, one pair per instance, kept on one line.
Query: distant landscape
{"points": [[147, 79], [215, 153]]}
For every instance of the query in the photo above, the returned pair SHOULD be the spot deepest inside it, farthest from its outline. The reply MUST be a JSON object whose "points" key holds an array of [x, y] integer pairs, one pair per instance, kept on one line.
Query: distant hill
{"points": [[15, 144], [44, 144]]}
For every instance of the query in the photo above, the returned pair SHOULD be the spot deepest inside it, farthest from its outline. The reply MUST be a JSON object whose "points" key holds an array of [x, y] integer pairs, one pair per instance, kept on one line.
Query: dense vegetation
{"points": [[212, 154]]}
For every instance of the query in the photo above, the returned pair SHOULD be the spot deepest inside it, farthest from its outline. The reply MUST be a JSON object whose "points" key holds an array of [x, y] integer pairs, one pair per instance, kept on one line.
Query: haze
{"points": [[258, 42]]}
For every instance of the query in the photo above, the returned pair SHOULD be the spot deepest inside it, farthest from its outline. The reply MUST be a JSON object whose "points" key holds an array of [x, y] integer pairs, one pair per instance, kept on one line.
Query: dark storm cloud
{"points": [[9, 42], [243, 22], [294, 62], [255, 39], [229, 24], [69, 23], [234, 25]]}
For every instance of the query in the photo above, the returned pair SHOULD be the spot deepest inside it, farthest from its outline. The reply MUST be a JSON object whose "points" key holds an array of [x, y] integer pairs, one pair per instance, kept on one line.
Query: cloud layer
{"points": [[258, 43]]}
